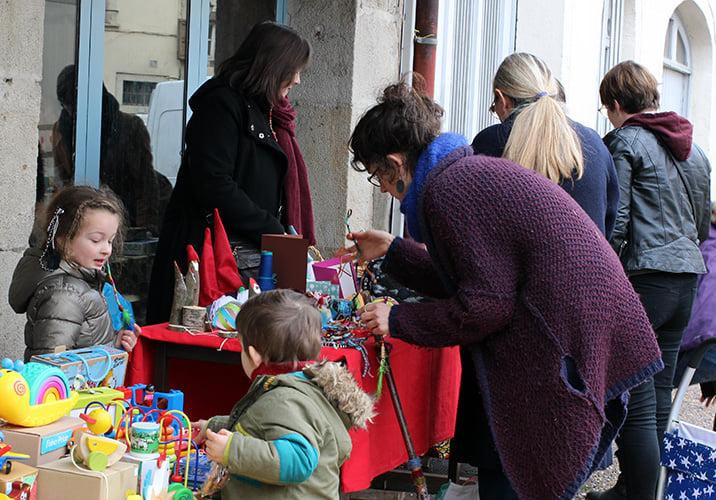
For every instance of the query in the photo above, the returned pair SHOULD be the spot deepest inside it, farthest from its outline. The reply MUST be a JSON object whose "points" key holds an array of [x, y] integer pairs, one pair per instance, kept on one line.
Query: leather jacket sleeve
{"points": [[700, 192], [624, 165]]}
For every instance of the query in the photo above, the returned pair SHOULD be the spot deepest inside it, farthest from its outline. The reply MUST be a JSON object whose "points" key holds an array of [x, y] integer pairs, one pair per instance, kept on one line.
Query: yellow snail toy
{"points": [[33, 394]]}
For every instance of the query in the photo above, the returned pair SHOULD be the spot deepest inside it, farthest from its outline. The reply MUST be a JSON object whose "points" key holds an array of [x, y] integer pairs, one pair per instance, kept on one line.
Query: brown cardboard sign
{"points": [[44, 444], [62, 480], [290, 257]]}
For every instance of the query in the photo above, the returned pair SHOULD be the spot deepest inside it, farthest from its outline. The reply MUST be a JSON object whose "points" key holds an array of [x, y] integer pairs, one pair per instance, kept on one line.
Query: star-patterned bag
{"points": [[689, 454]]}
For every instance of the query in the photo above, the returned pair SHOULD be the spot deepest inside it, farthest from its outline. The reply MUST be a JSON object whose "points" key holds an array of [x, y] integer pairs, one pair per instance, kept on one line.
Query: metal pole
{"points": [[426, 32]]}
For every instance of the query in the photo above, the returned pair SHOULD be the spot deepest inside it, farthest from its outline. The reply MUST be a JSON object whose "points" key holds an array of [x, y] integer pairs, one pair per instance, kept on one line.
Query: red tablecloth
{"points": [[427, 381]]}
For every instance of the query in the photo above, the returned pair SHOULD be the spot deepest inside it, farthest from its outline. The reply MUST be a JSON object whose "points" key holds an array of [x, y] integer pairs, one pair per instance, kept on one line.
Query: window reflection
{"points": [[60, 30]]}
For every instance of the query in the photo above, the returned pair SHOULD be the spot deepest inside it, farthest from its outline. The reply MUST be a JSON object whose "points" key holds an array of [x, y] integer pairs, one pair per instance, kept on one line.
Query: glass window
{"points": [[56, 126], [142, 52], [681, 50], [677, 71], [137, 93]]}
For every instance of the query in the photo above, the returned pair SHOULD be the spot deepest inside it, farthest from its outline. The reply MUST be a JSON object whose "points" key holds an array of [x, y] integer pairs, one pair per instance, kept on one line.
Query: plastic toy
{"points": [[153, 406], [6, 454], [33, 394]]}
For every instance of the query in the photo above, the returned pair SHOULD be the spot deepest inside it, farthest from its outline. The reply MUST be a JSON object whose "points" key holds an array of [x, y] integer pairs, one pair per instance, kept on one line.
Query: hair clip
{"points": [[50, 251]]}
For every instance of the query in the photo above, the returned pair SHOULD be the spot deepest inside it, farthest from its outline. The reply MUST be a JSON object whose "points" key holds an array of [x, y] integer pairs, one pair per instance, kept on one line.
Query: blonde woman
{"points": [[536, 133]]}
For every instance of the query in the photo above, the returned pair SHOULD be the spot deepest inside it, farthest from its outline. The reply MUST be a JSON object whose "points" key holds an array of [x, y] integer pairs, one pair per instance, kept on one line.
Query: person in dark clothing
{"points": [[125, 154], [528, 102], [233, 160], [663, 215], [522, 278]]}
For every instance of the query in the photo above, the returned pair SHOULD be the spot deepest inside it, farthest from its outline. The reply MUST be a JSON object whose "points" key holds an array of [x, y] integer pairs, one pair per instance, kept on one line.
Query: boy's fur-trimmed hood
{"points": [[342, 390]]}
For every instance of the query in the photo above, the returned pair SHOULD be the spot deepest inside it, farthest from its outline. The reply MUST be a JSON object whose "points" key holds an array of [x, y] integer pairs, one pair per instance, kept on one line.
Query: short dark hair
{"points": [[405, 120], [268, 58], [282, 325], [632, 86]]}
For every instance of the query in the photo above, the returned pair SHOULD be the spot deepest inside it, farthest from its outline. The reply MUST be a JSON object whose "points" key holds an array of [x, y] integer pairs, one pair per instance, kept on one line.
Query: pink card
{"points": [[339, 273]]}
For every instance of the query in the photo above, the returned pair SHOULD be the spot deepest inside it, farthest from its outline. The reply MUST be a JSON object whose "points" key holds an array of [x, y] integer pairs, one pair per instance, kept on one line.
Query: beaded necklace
{"points": [[271, 124]]}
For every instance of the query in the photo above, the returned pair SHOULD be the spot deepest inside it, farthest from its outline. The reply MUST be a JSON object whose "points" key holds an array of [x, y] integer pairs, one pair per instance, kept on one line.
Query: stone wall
{"points": [[356, 53], [21, 24]]}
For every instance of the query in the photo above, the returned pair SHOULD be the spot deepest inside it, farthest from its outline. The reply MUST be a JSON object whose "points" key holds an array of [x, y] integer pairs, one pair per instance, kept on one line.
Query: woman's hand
{"points": [[128, 339], [216, 443], [369, 245], [375, 316]]}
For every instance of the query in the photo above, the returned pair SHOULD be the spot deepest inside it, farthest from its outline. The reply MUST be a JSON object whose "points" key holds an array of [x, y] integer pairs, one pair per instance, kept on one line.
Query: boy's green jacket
{"points": [[291, 434]]}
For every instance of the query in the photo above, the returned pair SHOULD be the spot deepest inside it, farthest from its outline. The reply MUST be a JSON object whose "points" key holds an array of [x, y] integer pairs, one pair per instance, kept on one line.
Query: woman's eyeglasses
{"points": [[374, 179], [603, 110]]}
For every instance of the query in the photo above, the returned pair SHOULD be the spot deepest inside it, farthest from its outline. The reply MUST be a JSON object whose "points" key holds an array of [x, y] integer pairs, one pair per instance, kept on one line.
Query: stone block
{"points": [[12, 340]]}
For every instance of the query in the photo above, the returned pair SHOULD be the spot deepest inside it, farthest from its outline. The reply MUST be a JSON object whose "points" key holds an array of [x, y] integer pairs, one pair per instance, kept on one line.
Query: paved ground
{"points": [[692, 411]]}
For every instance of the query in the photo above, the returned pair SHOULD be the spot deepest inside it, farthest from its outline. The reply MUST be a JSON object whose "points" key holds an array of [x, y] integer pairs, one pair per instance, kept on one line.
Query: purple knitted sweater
{"points": [[526, 280]]}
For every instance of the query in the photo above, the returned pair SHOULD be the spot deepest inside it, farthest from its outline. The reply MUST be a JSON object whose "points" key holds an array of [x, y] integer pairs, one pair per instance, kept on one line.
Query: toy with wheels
{"points": [[6, 454], [33, 394], [97, 452], [178, 491]]}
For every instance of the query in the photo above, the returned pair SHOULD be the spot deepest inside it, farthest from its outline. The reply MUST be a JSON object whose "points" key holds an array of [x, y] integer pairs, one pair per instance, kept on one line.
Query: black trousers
{"points": [[667, 299]]}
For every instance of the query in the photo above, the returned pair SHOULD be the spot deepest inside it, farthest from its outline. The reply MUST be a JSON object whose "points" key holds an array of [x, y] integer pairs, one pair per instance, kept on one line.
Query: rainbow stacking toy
{"points": [[33, 394]]}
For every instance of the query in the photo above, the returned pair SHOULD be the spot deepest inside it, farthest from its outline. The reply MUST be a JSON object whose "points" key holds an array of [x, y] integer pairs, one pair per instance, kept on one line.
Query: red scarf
{"points": [[299, 210], [279, 368]]}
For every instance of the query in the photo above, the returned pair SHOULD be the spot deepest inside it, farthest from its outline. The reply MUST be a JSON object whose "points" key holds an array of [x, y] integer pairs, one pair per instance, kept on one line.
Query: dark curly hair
{"points": [[405, 120]]}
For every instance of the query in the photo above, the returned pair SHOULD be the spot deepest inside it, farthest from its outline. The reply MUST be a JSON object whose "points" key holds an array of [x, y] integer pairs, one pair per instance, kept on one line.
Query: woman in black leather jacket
{"points": [[663, 214]]}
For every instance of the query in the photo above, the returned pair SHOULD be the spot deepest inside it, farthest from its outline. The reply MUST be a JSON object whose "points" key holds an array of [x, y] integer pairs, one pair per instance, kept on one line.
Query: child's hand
{"points": [[201, 427], [216, 444], [128, 339]]}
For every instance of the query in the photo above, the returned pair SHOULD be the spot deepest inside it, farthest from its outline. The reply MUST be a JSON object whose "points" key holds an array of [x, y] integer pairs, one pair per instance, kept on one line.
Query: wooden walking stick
{"points": [[414, 464]]}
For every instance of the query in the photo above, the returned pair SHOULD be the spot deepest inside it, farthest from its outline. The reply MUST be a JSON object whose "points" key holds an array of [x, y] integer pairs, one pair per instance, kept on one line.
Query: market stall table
{"points": [[207, 368]]}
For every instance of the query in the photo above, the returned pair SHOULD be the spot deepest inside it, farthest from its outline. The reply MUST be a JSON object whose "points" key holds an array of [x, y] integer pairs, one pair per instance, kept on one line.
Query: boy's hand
{"points": [[201, 427], [216, 444]]}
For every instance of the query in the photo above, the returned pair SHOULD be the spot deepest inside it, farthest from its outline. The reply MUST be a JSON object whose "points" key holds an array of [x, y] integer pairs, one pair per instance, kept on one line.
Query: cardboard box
{"points": [[105, 371], [63, 480], [152, 480], [44, 444], [20, 483]]}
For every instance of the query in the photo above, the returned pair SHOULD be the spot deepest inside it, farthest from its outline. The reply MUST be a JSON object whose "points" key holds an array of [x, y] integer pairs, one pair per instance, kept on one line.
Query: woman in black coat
{"points": [[232, 160]]}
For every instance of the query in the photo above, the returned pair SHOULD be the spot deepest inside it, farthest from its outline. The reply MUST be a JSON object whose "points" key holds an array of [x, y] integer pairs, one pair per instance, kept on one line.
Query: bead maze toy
{"points": [[6, 454], [33, 394]]}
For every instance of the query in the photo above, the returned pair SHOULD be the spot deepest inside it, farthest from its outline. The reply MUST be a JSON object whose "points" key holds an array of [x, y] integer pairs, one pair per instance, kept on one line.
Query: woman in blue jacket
{"points": [[535, 133]]}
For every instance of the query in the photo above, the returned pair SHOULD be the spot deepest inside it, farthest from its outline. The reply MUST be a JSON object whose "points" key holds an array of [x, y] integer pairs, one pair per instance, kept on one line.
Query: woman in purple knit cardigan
{"points": [[523, 278]]}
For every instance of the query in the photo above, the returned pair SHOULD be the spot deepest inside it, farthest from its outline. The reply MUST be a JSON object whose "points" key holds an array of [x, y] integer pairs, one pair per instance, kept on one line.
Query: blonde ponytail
{"points": [[542, 138]]}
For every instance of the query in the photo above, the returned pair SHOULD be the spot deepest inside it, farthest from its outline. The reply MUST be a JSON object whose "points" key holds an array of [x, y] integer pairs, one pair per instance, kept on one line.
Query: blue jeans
{"points": [[667, 299]]}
